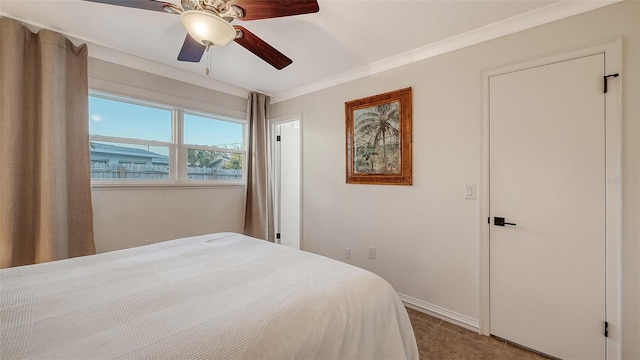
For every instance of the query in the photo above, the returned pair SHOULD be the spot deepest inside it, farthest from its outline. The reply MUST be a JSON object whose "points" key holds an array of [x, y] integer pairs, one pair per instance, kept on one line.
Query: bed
{"points": [[217, 296]]}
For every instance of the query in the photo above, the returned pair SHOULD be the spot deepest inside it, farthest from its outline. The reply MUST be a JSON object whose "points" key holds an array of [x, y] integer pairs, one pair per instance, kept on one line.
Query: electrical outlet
{"points": [[372, 252], [347, 253]]}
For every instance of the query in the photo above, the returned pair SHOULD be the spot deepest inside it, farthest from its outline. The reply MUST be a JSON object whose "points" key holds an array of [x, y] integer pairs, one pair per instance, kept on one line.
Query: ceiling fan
{"points": [[208, 23]]}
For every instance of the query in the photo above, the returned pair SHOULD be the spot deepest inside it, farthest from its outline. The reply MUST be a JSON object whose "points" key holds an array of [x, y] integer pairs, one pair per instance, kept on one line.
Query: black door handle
{"points": [[499, 221]]}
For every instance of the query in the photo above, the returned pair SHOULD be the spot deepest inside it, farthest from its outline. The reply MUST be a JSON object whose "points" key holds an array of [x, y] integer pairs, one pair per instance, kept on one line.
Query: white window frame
{"points": [[178, 150]]}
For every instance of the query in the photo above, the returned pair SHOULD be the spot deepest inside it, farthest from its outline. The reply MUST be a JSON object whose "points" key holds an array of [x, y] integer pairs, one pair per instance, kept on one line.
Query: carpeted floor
{"points": [[440, 340]]}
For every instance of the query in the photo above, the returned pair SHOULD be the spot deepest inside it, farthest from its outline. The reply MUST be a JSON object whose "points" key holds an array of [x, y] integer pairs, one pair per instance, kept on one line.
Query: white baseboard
{"points": [[441, 313]]}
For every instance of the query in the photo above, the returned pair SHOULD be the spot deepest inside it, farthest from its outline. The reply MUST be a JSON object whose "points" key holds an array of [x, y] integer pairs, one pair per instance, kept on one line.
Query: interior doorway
{"points": [[287, 181], [550, 237], [547, 205]]}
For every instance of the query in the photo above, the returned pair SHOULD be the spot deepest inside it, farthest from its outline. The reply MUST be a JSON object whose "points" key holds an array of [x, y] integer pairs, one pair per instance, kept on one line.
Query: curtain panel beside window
{"points": [[258, 218], [45, 188]]}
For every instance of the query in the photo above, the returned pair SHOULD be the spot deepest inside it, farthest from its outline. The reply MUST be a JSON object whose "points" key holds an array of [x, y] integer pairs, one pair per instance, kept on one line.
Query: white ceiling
{"points": [[347, 39]]}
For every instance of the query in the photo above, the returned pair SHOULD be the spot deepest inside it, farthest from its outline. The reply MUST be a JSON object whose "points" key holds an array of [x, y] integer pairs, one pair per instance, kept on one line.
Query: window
{"points": [[133, 141], [214, 148]]}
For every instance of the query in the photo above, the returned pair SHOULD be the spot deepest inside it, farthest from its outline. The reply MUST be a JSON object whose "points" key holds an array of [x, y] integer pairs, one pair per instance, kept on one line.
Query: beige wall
{"points": [[125, 81], [127, 217], [426, 235]]}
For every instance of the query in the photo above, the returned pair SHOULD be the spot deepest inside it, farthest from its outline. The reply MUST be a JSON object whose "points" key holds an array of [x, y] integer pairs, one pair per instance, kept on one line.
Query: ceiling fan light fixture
{"points": [[207, 28]]}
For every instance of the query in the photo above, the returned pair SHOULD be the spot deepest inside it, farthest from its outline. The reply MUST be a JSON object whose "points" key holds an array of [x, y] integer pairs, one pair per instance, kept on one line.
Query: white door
{"points": [[288, 183], [547, 177]]}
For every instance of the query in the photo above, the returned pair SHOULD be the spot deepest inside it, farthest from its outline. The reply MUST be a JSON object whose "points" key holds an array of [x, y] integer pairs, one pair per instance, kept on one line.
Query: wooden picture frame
{"points": [[378, 146]]}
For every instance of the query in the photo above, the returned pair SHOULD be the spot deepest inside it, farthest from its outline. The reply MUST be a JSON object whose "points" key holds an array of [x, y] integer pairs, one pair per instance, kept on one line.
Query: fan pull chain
{"points": [[208, 71]]}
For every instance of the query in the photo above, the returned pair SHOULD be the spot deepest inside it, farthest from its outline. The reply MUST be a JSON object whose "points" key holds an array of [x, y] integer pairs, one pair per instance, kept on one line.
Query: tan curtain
{"points": [[45, 189], [258, 218]]}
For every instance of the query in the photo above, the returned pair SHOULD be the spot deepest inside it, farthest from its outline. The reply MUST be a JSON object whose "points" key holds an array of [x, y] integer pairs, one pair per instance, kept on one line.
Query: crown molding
{"points": [[541, 16], [544, 15]]}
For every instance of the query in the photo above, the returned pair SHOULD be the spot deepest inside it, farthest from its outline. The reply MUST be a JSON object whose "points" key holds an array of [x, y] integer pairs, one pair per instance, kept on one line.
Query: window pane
{"points": [[120, 119], [205, 131], [213, 165], [128, 161]]}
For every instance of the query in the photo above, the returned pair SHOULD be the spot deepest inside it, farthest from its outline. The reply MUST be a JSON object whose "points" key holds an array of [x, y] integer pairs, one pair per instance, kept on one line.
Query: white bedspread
{"points": [[218, 296]]}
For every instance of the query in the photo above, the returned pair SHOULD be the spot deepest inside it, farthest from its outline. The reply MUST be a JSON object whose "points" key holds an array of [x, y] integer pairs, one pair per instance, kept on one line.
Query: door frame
{"points": [[273, 123], [612, 48]]}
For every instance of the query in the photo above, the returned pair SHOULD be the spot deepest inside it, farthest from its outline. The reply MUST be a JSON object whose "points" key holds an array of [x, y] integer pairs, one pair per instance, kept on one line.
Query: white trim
{"points": [[285, 119], [613, 64], [164, 183], [126, 140], [483, 203], [165, 186], [440, 312], [179, 155], [612, 48], [541, 16]]}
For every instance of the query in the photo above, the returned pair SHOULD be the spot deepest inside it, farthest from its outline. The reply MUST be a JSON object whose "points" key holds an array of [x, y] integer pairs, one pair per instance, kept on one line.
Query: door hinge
{"points": [[606, 77], [606, 329], [489, 220], [277, 137], [278, 236]]}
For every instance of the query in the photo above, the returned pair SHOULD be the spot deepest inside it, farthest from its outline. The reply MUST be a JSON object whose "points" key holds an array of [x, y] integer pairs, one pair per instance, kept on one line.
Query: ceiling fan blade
{"points": [[191, 50], [266, 9], [138, 4], [260, 48]]}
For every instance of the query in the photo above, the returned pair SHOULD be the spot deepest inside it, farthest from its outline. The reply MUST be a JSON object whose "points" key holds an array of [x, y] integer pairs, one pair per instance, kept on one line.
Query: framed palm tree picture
{"points": [[379, 139]]}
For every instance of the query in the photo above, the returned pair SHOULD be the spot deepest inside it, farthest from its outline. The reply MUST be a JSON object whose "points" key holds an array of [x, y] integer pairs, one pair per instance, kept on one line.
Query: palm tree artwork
{"points": [[376, 131]]}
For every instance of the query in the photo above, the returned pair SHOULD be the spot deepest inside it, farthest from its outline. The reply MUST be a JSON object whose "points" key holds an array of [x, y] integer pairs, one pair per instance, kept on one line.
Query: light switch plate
{"points": [[470, 191]]}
